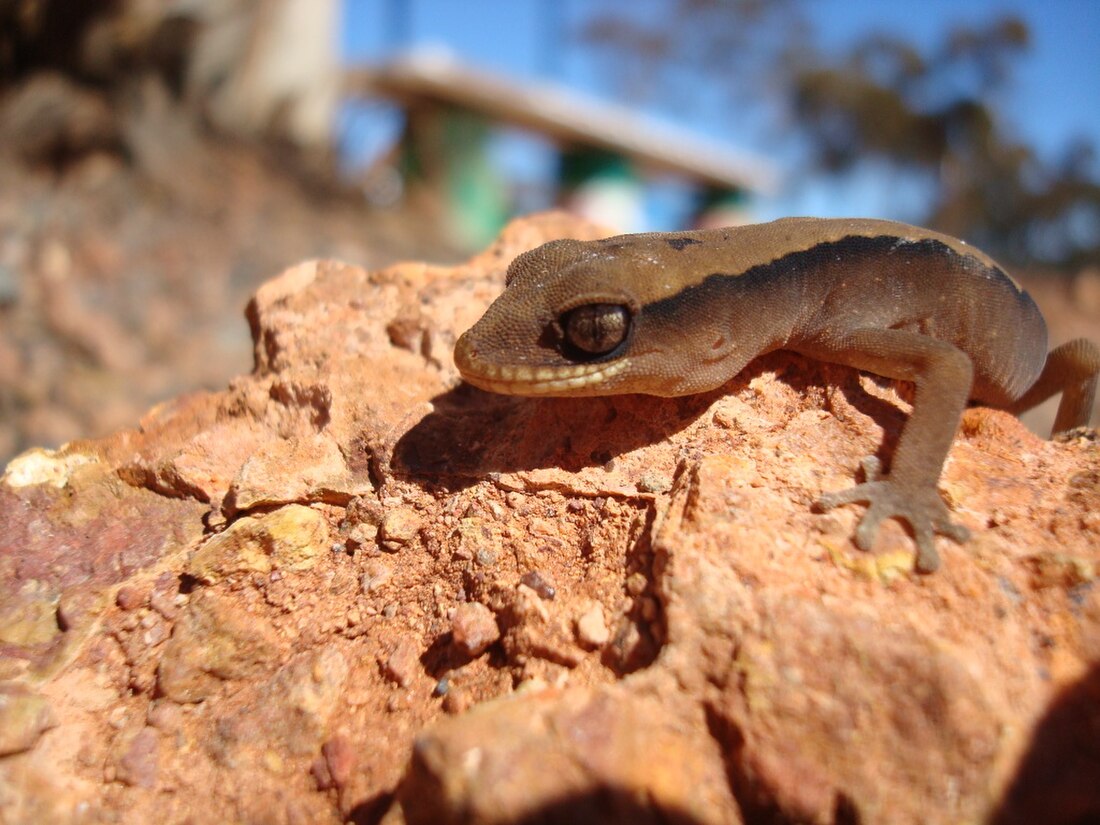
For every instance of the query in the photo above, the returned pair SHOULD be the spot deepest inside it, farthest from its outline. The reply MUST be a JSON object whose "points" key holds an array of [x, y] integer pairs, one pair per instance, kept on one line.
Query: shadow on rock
{"points": [[1058, 781], [597, 806], [472, 433]]}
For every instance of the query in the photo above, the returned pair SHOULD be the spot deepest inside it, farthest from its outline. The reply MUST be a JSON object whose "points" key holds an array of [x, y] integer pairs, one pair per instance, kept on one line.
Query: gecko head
{"points": [[572, 321], [557, 329]]}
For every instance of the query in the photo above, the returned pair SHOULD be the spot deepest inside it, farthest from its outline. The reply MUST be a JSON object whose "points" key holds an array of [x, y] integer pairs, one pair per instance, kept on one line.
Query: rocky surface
{"points": [[350, 588], [124, 268]]}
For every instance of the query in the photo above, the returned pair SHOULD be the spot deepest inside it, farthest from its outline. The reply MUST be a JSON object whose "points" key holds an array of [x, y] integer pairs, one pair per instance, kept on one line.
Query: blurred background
{"points": [[159, 159]]}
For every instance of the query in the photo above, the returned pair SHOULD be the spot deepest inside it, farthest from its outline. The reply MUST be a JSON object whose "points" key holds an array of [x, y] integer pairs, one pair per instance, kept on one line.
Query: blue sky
{"points": [[1054, 96], [1056, 90]]}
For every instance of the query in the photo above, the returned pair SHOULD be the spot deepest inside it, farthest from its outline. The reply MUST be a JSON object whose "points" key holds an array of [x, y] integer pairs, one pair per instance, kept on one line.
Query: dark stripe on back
{"points": [[679, 243], [854, 248]]}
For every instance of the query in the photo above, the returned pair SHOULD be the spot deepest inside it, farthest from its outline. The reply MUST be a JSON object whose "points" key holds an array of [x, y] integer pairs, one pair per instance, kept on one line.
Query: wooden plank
{"points": [[565, 117]]}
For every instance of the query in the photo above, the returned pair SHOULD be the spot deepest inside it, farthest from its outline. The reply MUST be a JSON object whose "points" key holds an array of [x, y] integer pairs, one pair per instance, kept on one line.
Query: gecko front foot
{"points": [[921, 507]]}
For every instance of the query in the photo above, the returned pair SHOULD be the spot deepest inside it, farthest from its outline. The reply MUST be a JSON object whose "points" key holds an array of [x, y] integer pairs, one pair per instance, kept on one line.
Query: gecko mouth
{"points": [[514, 379]]}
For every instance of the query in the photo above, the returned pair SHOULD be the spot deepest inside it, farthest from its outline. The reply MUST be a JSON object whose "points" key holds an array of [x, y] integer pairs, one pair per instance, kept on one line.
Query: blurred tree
{"points": [[932, 114], [133, 76]]}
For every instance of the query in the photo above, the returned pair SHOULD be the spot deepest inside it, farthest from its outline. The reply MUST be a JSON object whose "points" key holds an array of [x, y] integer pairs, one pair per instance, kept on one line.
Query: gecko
{"points": [[671, 314]]}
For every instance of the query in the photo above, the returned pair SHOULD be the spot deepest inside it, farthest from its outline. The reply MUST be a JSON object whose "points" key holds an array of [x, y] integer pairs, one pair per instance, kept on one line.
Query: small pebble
{"points": [[164, 602], [636, 584], [365, 510], [362, 535], [457, 701], [339, 755], [654, 484], [403, 664], [129, 597], [400, 527], [485, 557], [139, 765], [474, 628], [376, 574], [592, 627], [164, 715], [534, 579], [156, 634]]}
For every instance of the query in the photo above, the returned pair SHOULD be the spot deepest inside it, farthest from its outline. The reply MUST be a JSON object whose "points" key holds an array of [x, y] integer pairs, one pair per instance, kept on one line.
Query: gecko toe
{"points": [[927, 560], [828, 501], [853, 495], [954, 531], [867, 530], [923, 510], [872, 468]]}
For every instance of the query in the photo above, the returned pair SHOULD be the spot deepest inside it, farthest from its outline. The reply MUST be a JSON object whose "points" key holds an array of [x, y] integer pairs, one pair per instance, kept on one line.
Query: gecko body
{"points": [[678, 313]]}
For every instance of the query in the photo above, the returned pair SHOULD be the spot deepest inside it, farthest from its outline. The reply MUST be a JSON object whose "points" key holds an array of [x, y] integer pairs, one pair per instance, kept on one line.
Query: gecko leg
{"points": [[942, 376], [1071, 369]]}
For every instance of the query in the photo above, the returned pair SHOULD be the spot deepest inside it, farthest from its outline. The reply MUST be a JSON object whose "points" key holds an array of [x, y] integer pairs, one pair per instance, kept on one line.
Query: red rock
{"points": [[535, 580], [399, 527], [339, 757], [757, 664], [130, 598], [403, 664], [302, 469], [474, 628], [213, 641], [139, 764], [376, 575], [538, 629], [602, 756], [592, 627], [24, 717]]}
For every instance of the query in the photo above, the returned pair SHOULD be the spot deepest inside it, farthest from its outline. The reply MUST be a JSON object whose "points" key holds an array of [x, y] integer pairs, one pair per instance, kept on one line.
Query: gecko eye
{"points": [[596, 328]]}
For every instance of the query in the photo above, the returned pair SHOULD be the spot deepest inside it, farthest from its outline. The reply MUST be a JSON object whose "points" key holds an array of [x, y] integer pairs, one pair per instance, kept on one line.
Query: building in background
{"points": [[607, 154]]}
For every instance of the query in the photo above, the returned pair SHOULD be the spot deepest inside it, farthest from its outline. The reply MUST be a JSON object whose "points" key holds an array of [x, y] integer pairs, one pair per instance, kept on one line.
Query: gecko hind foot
{"points": [[921, 508]]}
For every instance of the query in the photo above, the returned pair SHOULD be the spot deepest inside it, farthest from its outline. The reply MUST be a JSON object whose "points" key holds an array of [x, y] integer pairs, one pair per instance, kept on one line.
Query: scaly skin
{"points": [[679, 313]]}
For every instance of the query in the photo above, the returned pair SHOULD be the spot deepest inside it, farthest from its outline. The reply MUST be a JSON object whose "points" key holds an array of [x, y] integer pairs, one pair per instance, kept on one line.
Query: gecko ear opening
{"points": [[596, 329]]}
